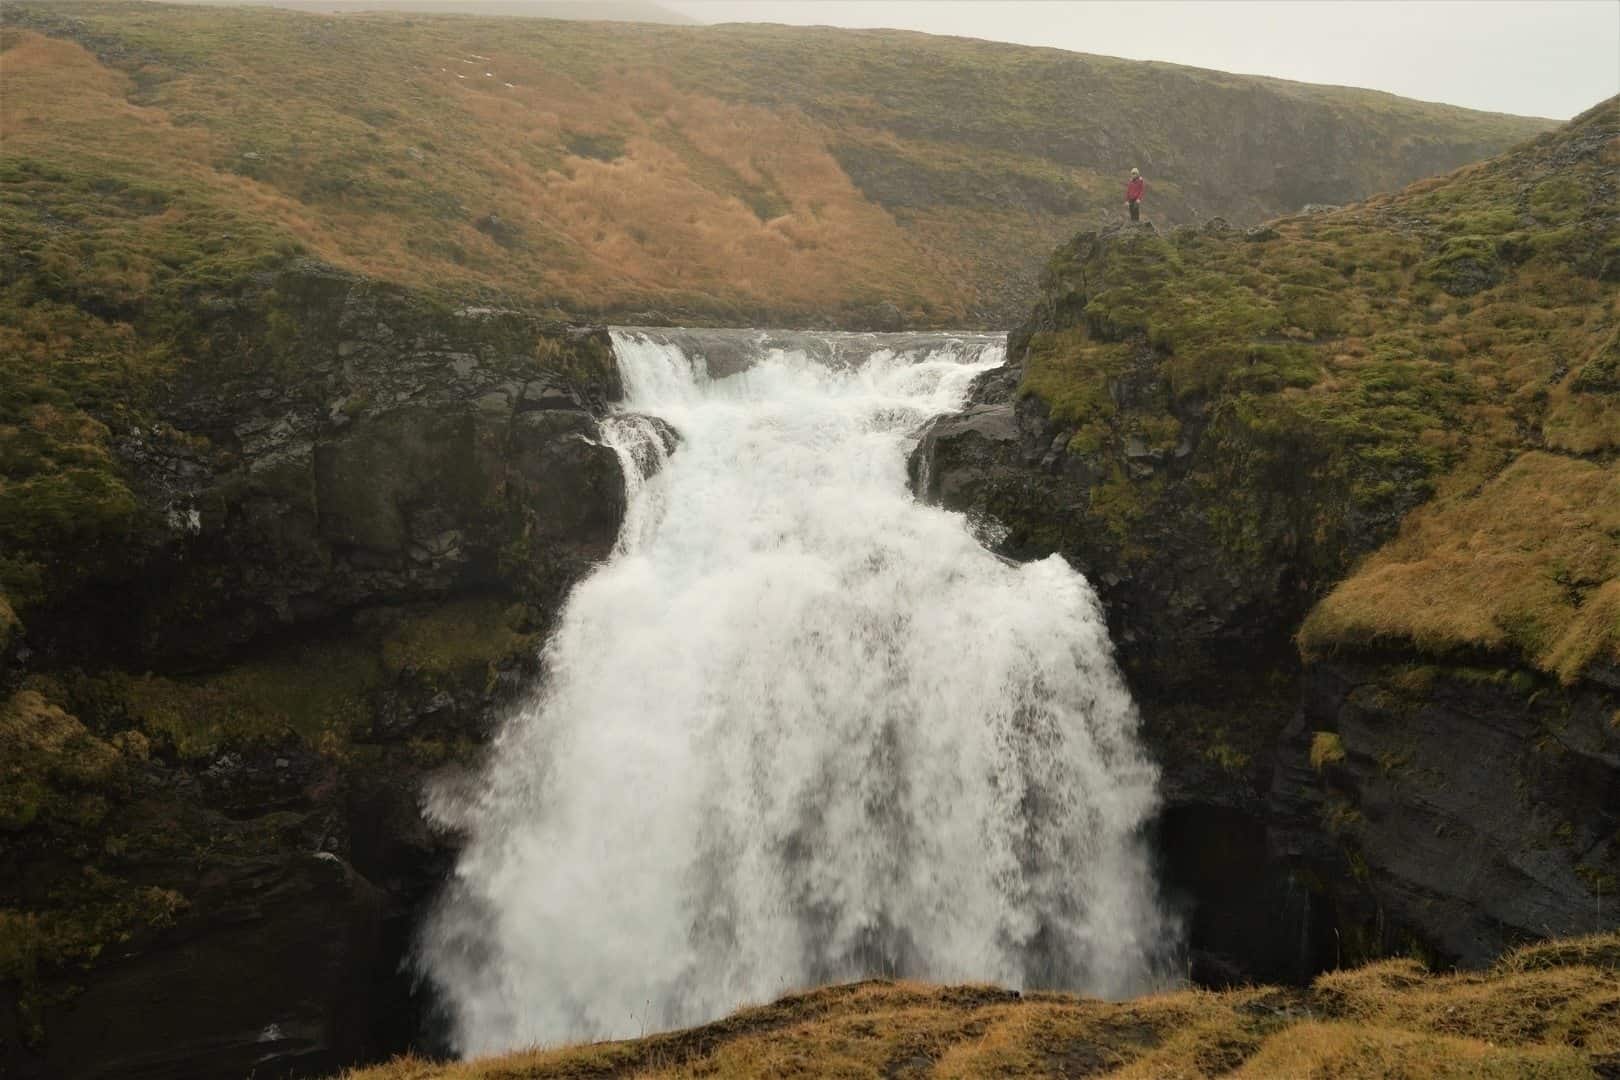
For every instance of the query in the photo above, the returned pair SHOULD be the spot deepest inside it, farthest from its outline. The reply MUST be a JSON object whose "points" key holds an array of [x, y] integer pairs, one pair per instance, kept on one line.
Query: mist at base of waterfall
{"points": [[799, 728]]}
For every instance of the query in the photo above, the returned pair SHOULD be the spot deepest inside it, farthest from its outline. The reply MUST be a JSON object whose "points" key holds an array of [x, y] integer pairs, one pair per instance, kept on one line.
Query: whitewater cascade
{"points": [[798, 728]]}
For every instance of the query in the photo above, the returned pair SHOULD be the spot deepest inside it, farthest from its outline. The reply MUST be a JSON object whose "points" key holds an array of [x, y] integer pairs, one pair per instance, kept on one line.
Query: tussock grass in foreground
{"points": [[1547, 1010]]}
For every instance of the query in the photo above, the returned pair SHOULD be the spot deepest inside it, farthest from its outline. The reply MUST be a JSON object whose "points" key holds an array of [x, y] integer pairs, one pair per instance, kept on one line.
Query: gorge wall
{"points": [[350, 522], [1345, 486], [300, 453]]}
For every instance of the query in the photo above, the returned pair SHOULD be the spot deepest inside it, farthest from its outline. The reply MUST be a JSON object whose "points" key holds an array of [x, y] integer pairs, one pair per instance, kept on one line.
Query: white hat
{"points": [[1135, 173]]}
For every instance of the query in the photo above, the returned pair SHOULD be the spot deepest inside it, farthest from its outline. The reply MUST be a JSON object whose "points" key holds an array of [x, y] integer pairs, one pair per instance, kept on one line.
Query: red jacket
{"points": [[1133, 190]]}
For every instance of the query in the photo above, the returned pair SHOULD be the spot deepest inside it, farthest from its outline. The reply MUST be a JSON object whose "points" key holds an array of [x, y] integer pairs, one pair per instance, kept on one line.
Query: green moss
{"points": [[1465, 265], [1070, 373], [63, 789], [322, 693], [95, 322], [1227, 758], [1119, 502], [88, 321], [1557, 200], [472, 634], [77, 805], [1326, 749], [1600, 374], [10, 625], [1088, 439], [1359, 364], [1157, 429], [53, 767], [105, 911], [319, 694]]}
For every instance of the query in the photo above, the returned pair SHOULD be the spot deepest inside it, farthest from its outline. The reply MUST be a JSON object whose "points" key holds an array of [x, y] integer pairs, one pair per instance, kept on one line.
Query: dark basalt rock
{"points": [[268, 979], [1458, 823], [417, 453], [1463, 810], [351, 458]]}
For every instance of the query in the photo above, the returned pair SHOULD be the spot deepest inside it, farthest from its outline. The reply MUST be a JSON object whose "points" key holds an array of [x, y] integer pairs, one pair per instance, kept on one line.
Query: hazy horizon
{"points": [[1551, 59], [1554, 58]]}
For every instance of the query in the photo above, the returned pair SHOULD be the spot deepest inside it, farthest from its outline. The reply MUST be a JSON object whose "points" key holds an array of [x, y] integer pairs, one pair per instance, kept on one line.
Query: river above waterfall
{"points": [[799, 728]]}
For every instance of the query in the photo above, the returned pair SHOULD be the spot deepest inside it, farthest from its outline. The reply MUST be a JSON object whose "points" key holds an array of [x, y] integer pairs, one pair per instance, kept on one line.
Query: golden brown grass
{"points": [[629, 165], [638, 229], [1355, 1052], [1528, 560], [1545, 1011]]}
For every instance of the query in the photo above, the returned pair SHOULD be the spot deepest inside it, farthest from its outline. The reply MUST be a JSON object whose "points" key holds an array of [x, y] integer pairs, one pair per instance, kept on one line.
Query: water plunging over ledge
{"points": [[799, 728]]}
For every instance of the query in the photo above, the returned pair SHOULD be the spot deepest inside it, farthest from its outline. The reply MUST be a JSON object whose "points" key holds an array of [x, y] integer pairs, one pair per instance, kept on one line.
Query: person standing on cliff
{"points": [[1133, 194]]}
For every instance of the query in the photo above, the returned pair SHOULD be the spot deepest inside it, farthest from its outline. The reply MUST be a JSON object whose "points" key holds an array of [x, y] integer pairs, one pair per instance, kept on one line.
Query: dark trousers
{"points": [[1136, 210]]}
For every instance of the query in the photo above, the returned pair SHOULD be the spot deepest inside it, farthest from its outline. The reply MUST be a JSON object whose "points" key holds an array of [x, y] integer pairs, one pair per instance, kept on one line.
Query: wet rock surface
{"points": [[725, 352], [1464, 810], [270, 978], [1459, 820], [416, 452], [352, 543]]}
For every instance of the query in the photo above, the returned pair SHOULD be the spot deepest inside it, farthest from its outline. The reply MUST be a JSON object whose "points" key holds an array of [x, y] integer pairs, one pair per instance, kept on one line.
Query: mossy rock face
{"points": [[1216, 429], [330, 442], [1381, 434], [317, 525], [239, 842]]}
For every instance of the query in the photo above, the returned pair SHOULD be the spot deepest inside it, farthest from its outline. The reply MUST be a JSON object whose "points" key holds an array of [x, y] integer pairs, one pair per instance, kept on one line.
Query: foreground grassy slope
{"points": [[739, 172], [1545, 1011], [1451, 347]]}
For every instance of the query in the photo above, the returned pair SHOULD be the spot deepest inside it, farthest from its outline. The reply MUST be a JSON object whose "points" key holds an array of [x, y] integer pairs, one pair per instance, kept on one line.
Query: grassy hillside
{"points": [[733, 173], [160, 162], [641, 11], [1453, 347], [1545, 1011]]}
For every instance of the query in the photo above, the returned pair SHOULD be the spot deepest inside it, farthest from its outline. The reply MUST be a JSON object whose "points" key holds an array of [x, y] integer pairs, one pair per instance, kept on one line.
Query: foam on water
{"points": [[799, 728]]}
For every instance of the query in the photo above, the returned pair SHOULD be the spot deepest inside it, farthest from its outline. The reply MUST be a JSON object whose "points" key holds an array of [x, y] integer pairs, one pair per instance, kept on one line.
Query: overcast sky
{"points": [[1548, 58]]}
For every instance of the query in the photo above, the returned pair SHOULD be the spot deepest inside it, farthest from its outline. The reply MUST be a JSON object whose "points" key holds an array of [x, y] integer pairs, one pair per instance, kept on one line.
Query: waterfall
{"points": [[798, 728]]}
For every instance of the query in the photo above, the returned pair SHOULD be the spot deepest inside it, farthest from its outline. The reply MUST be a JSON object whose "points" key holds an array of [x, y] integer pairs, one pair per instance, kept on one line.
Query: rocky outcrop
{"points": [[379, 449], [1204, 643], [1313, 815], [270, 976], [1188, 420], [358, 510], [1462, 810]]}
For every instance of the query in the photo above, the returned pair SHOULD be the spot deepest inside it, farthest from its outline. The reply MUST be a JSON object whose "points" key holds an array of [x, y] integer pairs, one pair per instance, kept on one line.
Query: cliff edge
{"points": [[1347, 484]]}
